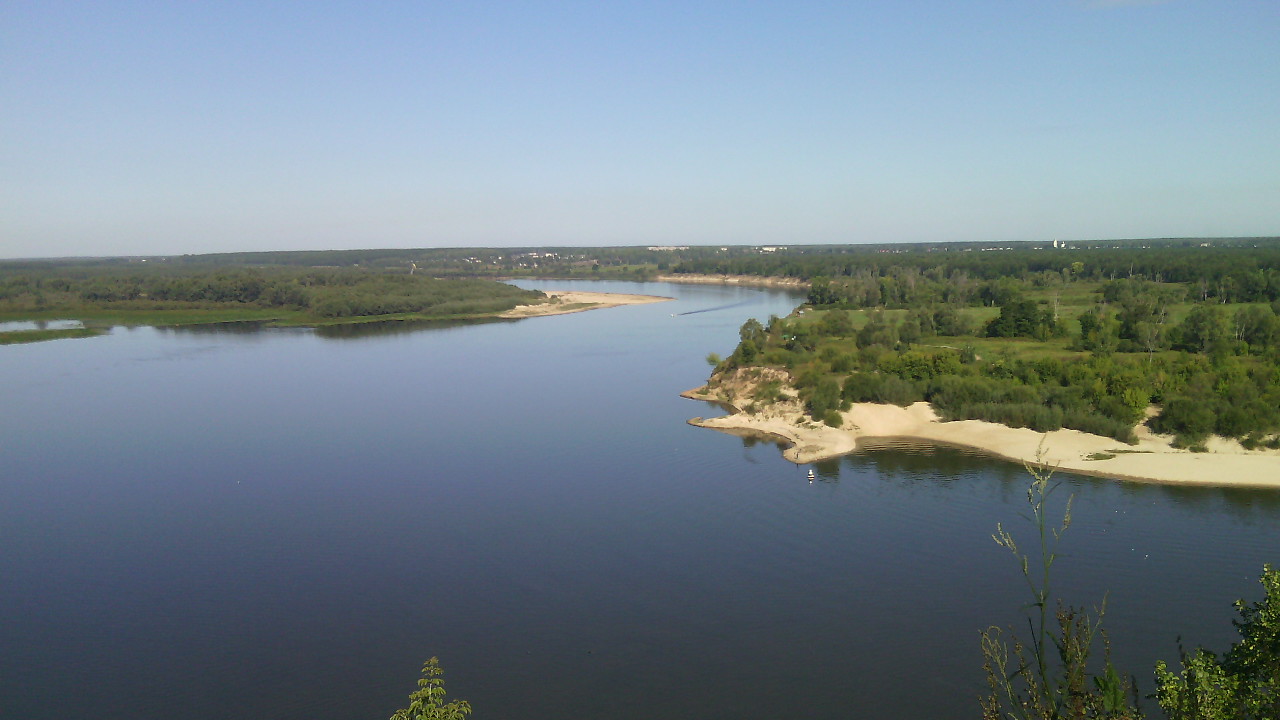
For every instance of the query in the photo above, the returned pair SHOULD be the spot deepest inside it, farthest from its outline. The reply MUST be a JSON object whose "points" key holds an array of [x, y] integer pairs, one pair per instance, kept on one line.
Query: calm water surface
{"points": [[231, 523]]}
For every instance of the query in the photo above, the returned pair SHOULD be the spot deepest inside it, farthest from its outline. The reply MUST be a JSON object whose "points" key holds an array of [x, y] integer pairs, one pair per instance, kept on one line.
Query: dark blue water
{"points": [[285, 524]]}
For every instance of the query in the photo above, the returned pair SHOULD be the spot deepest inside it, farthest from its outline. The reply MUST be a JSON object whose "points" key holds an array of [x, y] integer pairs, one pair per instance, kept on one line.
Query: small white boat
{"points": [[811, 475]]}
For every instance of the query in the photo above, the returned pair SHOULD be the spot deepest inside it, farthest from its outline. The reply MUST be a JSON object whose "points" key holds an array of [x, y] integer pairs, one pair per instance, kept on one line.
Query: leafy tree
{"points": [[823, 397], [1242, 685], [1052, 680], [947, 320], [1098, 331], [820, 292], [878, 331], [753, 331], [1023, 318], [1189, 418], [1256, 325], [1204, 330], [427, 702], [836, 323]]}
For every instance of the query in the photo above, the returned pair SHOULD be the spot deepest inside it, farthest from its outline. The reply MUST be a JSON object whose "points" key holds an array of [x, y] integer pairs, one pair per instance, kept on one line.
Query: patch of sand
{"points": [[564, 301], [1152, 459], [748, 280]]}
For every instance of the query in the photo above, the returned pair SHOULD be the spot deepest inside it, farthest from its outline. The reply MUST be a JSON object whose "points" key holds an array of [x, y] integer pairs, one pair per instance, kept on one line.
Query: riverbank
{"points": [[565, 301], [1152, 459], [745, 280]]}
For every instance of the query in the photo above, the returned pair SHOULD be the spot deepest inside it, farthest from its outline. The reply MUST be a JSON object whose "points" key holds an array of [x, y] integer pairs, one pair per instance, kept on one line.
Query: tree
{"points": [[820, 292], [1023, 318], [1203, 330], [1188, 417], [753, 331], [1245, 683], [427, 702], [1098, 330], [1256, 325], [836, 323], [878, 331], [1151, 337]]}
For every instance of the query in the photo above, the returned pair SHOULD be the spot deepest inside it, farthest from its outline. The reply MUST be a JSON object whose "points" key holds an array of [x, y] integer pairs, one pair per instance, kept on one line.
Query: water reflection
{"points": [[240, 327], [356, 331], [1249, 506], [343, 331], [25, 325], [827, 470]]}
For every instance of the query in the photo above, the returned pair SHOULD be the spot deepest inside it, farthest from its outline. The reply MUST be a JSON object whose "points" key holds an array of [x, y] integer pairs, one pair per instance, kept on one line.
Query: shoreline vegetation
{"points": [[830, 381], [1152, 459], [1155, 362], [744, 280], [104, 294]]}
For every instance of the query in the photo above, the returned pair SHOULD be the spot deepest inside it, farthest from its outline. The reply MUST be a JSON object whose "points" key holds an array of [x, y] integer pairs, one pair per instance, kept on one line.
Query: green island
{"points": [[104, 294], [1155, 356]]}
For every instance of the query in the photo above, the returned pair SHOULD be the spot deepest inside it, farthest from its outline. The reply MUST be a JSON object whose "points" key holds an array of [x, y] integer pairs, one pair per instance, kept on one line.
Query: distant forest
{"points": [[1237, 269], [35, 290]]}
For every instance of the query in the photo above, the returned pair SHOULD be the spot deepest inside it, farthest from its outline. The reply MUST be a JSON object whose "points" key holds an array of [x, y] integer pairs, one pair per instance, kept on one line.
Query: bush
{"points": [[952, 391], [1192, 418], [1040, 418], [881, 388], [1095, 424]]}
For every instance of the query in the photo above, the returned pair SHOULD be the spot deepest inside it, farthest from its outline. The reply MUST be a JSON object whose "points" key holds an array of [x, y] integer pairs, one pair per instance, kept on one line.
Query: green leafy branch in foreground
{"points": [[1245, 683], [1044, 682], [1051, 680], [427, 702]]}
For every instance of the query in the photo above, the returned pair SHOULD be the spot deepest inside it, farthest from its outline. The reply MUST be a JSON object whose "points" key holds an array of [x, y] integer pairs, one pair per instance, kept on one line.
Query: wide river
{"points": [[284, 524]]}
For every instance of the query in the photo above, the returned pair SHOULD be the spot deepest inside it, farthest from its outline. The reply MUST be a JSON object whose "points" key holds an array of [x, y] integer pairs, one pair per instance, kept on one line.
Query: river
{"points": [[232, 522]]}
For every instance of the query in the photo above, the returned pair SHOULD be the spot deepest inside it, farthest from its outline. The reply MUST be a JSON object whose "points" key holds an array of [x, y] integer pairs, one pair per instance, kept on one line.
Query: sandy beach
{"points": [[564, 301], [1153, 459], [746, 280]]}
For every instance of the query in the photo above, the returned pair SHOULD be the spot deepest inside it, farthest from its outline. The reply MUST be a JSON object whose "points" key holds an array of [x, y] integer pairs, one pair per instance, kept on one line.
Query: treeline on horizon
{"points": [[325, 293], [1238, 271], [1180, 260]]}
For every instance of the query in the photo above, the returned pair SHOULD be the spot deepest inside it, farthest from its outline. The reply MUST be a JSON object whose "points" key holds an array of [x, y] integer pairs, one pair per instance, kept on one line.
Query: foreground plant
{"points": [[1245, 683], [427, 702], [1051, 679]]}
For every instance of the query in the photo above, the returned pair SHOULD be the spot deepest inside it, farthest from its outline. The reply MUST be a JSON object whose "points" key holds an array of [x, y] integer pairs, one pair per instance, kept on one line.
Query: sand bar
{"points": [[746, 280], [1153, 459], [566, 301]]}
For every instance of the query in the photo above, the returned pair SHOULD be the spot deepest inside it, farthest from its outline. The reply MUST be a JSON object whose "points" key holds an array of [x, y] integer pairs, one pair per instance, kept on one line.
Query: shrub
{"points": [[1192, 418], [881, 388]]}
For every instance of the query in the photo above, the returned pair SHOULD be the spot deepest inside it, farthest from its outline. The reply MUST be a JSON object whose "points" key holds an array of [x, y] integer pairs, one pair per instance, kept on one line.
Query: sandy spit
{"points": [[1153, 459], [565, 301], [748, 280]]}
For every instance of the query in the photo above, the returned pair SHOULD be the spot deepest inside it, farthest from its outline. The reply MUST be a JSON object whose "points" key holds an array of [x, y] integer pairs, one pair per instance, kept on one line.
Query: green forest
{"points": [[1192, 348], [107, 294]]}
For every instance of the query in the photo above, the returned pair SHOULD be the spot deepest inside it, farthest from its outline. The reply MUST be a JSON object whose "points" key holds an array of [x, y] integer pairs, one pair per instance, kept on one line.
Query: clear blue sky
{"points": [[181, 127]]}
